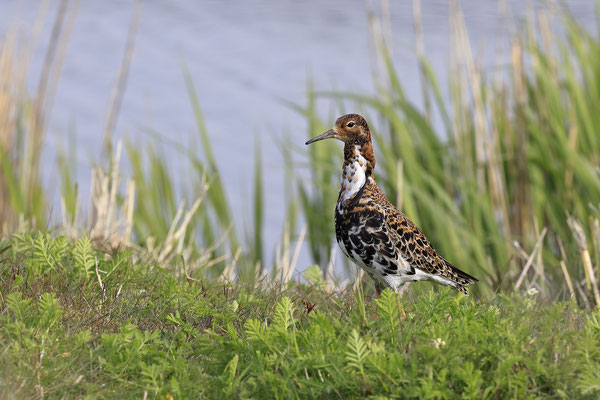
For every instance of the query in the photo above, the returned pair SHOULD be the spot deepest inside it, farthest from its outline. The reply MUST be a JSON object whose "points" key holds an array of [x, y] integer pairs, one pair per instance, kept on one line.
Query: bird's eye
{"points": [[350, 124]]}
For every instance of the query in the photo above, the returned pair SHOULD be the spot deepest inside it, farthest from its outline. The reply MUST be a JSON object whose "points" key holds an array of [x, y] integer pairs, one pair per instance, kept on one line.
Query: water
{"points": [[244, 57]]}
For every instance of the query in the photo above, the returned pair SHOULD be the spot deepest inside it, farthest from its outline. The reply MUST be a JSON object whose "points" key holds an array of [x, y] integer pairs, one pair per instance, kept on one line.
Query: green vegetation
{"points": [[156, 292], [75, 322]]}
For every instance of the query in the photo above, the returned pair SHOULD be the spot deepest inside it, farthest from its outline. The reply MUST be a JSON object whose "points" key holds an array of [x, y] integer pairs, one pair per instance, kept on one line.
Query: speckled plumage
{"points": [[371, 231]]}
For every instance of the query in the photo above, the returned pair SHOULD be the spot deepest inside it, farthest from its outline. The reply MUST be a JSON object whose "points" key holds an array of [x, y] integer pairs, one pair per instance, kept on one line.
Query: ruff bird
{"points": [[371, 231]]}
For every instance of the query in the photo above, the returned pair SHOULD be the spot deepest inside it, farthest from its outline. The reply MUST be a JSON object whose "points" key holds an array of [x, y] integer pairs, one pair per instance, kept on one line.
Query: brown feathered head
{"points": [[350, 129]]}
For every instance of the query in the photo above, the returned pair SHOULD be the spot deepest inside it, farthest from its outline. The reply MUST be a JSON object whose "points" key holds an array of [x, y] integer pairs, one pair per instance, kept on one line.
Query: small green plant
{"points": [[133, 329]]}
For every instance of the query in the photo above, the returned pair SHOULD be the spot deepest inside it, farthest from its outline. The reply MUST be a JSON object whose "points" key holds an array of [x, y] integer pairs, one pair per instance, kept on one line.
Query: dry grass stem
{"points": [[117, 91], [530, 259], [590, 277]]}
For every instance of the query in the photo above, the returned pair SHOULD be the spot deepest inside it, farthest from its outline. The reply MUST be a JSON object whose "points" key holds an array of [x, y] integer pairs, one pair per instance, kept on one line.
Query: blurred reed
{"points": [[504, 175], [501, 170]]}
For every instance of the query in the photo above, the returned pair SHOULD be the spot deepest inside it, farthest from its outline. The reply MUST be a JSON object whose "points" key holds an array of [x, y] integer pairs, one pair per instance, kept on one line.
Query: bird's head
{"points": [[350, 129]]}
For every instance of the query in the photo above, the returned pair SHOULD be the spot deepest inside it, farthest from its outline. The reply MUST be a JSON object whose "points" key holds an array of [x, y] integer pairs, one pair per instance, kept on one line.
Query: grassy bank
{"points": [[78, 322]]}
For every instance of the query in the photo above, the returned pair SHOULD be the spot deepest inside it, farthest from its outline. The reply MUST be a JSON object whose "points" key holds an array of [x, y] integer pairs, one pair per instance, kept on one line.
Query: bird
{"points": [[371, 231]]}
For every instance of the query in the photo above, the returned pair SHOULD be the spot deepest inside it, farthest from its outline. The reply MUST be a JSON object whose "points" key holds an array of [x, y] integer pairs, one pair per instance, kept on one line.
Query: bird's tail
{"points": [[462, 289], [461, 278]]}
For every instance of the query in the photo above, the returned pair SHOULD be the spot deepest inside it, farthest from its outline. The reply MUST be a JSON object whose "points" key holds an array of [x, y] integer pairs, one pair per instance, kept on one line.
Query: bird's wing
{"points": [[363, 236], [417, 251]]}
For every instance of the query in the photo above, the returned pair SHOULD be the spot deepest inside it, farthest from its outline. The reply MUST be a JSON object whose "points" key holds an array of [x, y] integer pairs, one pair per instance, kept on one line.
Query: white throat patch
{"points": [[353, 178]]}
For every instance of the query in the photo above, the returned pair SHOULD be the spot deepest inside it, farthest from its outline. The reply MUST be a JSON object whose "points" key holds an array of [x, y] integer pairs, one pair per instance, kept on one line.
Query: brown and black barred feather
{"points": [[375, 233]]}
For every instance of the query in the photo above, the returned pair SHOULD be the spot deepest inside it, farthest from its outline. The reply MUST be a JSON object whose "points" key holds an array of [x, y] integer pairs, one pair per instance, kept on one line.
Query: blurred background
{"points": [[228, 92]]}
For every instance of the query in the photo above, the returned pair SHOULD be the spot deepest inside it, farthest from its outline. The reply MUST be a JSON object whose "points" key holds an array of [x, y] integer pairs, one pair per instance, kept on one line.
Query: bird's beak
{"points": [[329, 134]]}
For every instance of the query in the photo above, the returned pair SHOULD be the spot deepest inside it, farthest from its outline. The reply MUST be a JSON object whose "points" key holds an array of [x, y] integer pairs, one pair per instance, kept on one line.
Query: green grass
{"points": [[75, 322]]}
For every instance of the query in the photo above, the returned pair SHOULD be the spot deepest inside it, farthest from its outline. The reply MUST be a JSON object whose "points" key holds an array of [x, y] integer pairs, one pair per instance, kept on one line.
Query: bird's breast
{"points": [[353, 178]]}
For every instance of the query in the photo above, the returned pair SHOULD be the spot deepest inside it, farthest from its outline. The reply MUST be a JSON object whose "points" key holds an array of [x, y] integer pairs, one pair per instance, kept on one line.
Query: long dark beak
{"points": [[330, 133]]}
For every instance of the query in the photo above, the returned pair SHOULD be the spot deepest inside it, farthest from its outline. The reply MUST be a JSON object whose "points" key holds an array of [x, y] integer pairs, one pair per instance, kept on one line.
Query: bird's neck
{"points": [[361, 152], [357, 170]]}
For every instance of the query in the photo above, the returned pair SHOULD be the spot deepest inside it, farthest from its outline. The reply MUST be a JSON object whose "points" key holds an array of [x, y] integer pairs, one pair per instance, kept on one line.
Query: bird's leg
{"points": [[378, 288], [400, 291]]}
